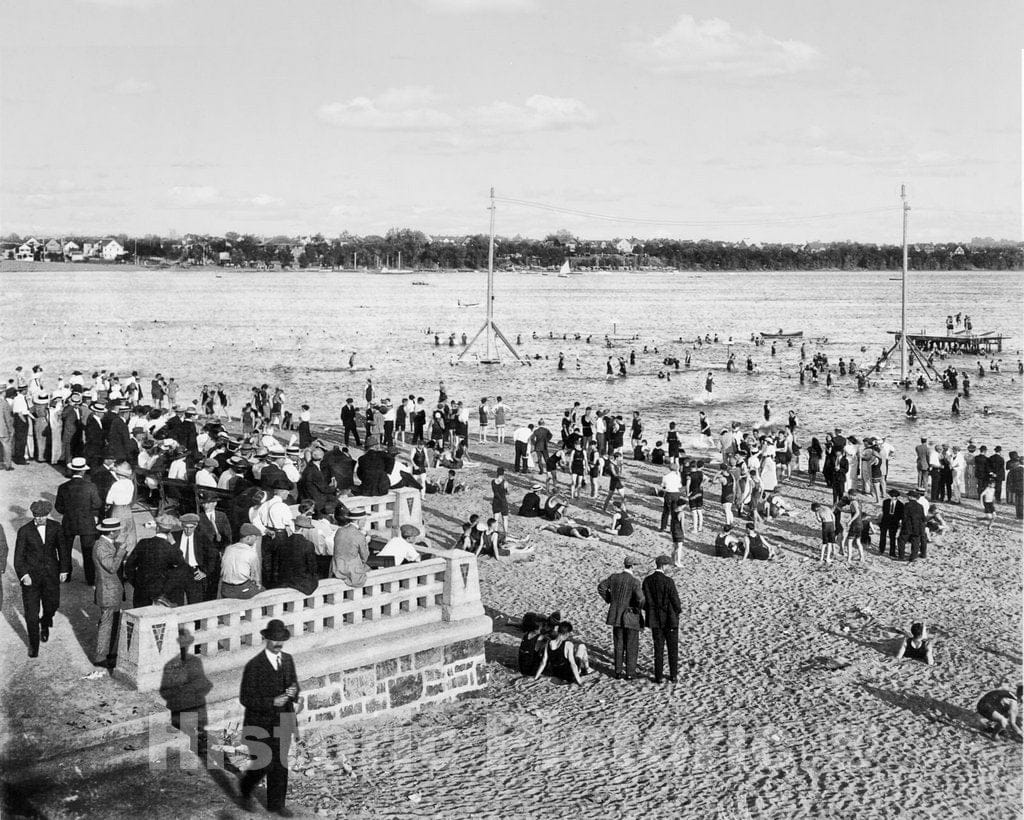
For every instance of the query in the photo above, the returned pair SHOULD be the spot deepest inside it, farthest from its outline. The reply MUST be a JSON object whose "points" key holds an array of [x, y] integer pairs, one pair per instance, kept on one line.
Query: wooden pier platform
{"points": [[974, 344]]}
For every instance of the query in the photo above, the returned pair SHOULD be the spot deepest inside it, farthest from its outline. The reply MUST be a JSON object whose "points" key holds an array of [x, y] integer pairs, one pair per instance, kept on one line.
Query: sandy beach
{"points": [[790, 702]]}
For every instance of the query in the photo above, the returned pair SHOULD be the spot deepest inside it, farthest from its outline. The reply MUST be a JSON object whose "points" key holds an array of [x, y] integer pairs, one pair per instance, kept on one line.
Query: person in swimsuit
{"points": [[757, 547], [672, 437], [828, 533], [850, 504], [918, 646], [727, 482], [695, 499], [595, 466], [767, 411], [499, 498], [709, 383], [615, 486], [577, 469], [1000, 712], [562, 658]]}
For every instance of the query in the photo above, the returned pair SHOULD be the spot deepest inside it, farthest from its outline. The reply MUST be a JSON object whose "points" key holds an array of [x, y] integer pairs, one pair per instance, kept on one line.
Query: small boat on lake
{"points": [[780, 334]]}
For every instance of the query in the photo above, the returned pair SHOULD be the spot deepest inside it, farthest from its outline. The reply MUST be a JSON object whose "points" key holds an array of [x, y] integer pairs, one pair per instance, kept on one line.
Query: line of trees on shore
{"points": [[417, 250]]}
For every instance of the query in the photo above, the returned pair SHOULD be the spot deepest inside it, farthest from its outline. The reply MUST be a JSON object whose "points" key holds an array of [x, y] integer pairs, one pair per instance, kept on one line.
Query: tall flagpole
{"points": [[490, 283], [903, 290]]}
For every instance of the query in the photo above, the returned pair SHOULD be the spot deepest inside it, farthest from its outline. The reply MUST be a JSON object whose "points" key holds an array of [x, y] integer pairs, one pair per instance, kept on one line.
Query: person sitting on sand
{"points": [[531, 647], [728, 544], [757, 547], [562, 658], [918, 646], [1000, 712], [450, 485], [621, 523], [551, 507], [530, 505]]}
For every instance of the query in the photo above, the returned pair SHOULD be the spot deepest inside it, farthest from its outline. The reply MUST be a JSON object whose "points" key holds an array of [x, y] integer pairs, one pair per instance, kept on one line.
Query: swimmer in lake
{"points": [[911, 411], [709, 383]]}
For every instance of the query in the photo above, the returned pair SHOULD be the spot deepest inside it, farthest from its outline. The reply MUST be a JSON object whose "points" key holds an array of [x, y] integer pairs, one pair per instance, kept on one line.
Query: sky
{"points": [[732, 120]]}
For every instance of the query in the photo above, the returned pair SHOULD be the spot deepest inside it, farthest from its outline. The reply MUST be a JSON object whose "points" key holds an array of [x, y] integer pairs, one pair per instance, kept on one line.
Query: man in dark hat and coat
{"points": [[268, 692], [42, 562], [95, 435], [79, 503]]}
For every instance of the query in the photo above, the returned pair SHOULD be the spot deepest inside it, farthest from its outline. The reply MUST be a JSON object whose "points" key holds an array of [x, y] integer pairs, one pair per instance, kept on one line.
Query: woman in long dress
{"points": [[56, 430]]}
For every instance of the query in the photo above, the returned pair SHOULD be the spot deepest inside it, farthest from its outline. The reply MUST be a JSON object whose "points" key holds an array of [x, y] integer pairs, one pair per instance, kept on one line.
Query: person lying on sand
{"points": [[918, 646], [570, 528], [1000, 712]]}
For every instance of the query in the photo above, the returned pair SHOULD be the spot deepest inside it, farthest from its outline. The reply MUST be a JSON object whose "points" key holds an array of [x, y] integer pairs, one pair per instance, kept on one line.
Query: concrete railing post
{"points": [[461, 597]]}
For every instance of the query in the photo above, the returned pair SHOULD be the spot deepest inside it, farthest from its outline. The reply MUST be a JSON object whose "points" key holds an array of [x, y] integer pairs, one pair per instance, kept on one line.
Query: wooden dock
{"points": [[973, 344]]}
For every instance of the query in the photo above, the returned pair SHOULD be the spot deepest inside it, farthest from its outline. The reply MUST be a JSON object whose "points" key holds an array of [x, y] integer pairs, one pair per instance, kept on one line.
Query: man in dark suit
{"points": [[79, 503], [626, 599], [269, 689], [315, 484], [981, 469], [119, 437], [913, 528], [340, 466], [103, 477], [348, 421], [374, 471], [200, 561], [997, 470], [154, 567], [95, 435], [42, 562], [661, 603], [892, 517], [71, 428]]}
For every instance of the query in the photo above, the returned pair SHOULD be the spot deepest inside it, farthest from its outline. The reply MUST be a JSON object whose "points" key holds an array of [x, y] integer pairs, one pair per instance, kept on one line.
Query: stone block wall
{"points": [[405, 682]]}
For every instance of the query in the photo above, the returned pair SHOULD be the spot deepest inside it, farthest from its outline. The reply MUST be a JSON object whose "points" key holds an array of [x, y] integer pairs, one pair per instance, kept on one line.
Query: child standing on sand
{"points": [[828, 533], [988, 500]]}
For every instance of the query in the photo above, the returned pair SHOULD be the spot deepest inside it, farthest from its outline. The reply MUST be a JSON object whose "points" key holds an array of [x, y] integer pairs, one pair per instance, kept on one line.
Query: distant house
{"points": [[71, 247], [27, 251], [959, 251], [111, 249], [52, 249], [624, 246], [8, 250]]}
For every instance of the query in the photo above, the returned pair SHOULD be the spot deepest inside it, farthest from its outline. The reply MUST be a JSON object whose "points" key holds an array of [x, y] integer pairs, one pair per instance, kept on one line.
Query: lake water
{"points": [[297, 329]]}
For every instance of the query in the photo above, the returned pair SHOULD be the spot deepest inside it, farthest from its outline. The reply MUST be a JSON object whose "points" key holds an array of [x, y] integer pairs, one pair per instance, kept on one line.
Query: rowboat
{"points": [[797, 334]]}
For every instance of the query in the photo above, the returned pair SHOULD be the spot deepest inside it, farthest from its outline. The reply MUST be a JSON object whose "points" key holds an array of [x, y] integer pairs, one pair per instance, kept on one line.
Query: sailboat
{"points": [[564, 271]]}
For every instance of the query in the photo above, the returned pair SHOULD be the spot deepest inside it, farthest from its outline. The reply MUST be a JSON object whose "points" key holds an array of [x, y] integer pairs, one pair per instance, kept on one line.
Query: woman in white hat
{"points": [[119, 500]]}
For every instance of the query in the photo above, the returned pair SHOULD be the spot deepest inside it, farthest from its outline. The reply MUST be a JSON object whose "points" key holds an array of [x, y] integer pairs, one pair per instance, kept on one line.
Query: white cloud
{"points": [[187, 196], [713, 46], [538, 113], [133, 86], [266, 200], [397, 109], [415, 108]]}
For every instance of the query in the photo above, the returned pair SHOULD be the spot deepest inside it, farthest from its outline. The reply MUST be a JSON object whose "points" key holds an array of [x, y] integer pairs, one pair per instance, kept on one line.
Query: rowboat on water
{"points": [[779, 334]]}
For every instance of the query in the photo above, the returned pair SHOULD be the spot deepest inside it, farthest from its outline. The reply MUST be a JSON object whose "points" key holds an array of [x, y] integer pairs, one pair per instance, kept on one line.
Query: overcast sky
{"points": [[784, 121]]}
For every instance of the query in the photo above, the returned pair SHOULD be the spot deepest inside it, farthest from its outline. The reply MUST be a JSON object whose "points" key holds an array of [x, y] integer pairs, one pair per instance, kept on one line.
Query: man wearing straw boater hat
{"points": [[95, 436], [42, 562], [108, 555], [79, 503], [269, 689]]}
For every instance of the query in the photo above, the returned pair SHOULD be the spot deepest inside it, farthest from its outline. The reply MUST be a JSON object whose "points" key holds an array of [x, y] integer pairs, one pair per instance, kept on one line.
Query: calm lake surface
{"points": [[297, 330]]}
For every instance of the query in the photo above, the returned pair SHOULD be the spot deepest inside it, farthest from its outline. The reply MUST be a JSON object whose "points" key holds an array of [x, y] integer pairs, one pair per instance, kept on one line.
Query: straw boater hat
{"points": [[98, 407], [109, 525], [78, 465], [123, 469]]}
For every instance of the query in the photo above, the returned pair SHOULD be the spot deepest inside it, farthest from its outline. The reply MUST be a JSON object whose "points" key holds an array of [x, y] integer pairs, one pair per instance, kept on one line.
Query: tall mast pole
{"points": [[903, 290], [490, 283]]}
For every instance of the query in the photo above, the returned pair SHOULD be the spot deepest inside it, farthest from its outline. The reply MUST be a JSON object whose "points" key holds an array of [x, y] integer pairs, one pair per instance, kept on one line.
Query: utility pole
{"points": [[903, 290]]}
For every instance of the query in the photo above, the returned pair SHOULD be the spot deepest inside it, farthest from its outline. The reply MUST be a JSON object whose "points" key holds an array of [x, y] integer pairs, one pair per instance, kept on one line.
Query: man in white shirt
{"points": [[389, 423], [240, 566], [521, 439], [671, 486], [205, 476], [400, 547]]}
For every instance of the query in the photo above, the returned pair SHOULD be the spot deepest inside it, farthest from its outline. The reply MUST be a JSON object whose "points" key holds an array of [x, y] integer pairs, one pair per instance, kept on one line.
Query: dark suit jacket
{"points": [[79, 502], [207, 555], [315, 486], [981, 469], [892, 512], [153, 569], [997, 467], [348, 415], [95, 439], [623, 592], [102, 480], [296, 564], [261, 683], [223, 530], [374, 470], [39, 559], [341, 466], [119, 439], [661, 601], [913, 520], [70, 424]]}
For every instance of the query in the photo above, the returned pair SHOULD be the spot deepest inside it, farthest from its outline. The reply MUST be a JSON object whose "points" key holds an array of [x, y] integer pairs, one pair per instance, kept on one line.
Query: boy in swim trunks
{"points": [[828, 533]]}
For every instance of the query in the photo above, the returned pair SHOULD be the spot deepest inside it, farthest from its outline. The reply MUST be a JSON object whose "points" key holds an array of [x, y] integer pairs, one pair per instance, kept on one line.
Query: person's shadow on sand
{"points": [[936, 711]]}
